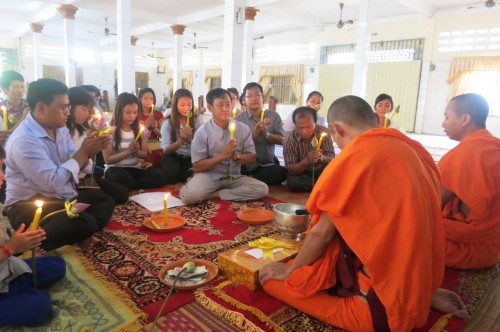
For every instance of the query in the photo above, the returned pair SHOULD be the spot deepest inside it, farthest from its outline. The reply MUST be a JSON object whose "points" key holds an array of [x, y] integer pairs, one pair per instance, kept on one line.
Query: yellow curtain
{"points": [[266, 83], [335, 81], [462, 68], [296, 72], [187, 79]]}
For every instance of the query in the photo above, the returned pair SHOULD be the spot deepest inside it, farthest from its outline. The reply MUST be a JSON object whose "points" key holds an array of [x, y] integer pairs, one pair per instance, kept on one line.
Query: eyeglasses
{"points": [[253, 96], [61, 108]]}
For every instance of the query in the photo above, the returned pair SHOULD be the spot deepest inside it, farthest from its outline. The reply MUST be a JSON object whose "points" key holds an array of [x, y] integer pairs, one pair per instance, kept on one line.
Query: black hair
{"points": [[123, 100], [174, 115], [216, 94], [2, 152], [252, 85], [8, 77], [78, 96], [314, 93], [302, 111], [142, 92], [44, 90], [383, 96], [92, 88]]}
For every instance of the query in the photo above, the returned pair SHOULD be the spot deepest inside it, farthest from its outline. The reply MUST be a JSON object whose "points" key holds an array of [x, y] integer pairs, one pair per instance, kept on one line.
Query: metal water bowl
{"points": [[288, 222]]}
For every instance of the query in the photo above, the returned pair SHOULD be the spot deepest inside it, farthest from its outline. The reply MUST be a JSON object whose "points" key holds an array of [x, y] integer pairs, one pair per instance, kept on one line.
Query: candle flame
{"points": [[39, 203], [323, 134], [3, 108], [232, 126], [166, 195]]}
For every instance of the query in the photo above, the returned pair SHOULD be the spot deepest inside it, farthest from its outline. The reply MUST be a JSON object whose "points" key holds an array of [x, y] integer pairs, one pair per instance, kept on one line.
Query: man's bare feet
{"points": [[39, 252], [448, 302]]}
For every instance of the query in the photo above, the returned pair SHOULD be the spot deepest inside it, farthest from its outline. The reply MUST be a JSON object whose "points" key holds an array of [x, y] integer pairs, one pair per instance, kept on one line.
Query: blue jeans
{"points": [[24, 305]]}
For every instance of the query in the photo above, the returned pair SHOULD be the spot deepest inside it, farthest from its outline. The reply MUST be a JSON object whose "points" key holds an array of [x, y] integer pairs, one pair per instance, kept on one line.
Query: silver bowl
{"points": [[288, 222]]}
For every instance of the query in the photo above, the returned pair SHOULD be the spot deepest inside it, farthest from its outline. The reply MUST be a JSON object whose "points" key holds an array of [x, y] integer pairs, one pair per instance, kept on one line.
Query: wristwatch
{"points": [[267, 135], [237, 157], [322, 158]]}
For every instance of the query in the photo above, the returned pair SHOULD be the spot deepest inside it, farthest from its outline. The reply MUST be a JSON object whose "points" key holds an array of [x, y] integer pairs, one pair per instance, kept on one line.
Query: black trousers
{"points": [[136, 178], [61, 229], [274, 174], [303, 181], [176, 167]]}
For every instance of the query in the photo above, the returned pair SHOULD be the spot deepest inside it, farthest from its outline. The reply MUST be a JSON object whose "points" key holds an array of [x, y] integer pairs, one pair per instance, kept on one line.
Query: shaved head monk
{"points": [[470, 175], [369, 261]]}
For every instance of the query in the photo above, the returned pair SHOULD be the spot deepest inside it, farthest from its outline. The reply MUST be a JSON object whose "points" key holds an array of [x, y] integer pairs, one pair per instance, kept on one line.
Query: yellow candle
{"points": [[153, 109], [38, 214], [5, 118], [139, 134], [321, 140], [232, 128], [234, 112], [386, 120], [165, 209], [262, 116]]}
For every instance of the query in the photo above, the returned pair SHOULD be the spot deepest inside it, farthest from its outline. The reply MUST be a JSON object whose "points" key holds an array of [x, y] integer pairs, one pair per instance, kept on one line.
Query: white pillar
{"points": [[37, 49], [232, 66], [247, 60], [178, 30], [125, 65], [362, 49], [68, 14]]}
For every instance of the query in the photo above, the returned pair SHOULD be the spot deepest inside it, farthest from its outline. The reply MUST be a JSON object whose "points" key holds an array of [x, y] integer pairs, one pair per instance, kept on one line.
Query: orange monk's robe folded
{"points": [[472, 171], [382, 193]]}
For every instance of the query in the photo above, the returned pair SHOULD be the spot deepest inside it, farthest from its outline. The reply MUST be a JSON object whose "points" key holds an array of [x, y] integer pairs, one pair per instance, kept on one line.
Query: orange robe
{"points": [[472, 171], [386, 206]]}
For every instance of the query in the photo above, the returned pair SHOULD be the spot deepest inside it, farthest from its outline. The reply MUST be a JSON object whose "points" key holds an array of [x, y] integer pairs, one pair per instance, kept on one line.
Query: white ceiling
{"points": [[151, 19]]}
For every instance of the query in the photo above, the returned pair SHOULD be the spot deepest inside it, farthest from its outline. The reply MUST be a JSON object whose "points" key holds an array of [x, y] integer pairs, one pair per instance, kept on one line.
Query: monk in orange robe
{"points": [[470, 176], [371, 260]]}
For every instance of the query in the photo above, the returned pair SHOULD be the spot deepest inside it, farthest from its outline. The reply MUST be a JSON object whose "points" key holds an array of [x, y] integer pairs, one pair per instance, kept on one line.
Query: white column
{"points": [[37, 49], [232, 66], [247, 60], [68, 14], [125, 65], [362, 49], [178, 31]]}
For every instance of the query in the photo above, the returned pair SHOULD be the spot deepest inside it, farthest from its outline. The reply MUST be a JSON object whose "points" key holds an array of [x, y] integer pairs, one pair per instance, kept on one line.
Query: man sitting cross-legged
{"points": [[369, 263], [217, 158], [304, 160], [470, 174], [42, 164]]}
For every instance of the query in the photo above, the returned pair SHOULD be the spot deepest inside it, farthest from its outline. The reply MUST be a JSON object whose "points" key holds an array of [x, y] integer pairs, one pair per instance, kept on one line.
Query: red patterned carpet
{"points": [[130, 257]]}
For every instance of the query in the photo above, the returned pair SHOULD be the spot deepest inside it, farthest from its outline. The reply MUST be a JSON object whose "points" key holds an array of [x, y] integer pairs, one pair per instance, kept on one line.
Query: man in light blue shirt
{"points": [[42, 164], [217, 158]]}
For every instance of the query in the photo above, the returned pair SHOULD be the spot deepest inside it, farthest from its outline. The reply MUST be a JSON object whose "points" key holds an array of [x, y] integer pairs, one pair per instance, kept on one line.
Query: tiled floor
{"points": [[436, 145]]}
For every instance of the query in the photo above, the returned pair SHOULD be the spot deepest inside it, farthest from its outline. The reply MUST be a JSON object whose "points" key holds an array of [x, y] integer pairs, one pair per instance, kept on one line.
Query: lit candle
{"points": [[153, 109], [321, 140], [188, 116], [165, 209], [5, 118], [139, 134], [386, 120], [262, 116], [38, 214], [232, 128], [234, 112]]}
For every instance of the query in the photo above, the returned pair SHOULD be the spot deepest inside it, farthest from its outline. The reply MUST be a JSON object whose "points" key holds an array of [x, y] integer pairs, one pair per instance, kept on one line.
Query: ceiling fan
{"points": [[488, 4], [152, 55], [193, 45], [106, 29], [341, 23]]}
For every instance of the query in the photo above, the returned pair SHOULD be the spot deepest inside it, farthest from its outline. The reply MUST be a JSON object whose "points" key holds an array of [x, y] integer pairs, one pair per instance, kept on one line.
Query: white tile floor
{"points": [[436, 145]]}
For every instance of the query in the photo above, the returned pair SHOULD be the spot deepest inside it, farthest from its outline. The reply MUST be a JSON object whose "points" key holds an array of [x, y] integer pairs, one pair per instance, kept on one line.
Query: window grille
{"points": [[281, 89]]}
